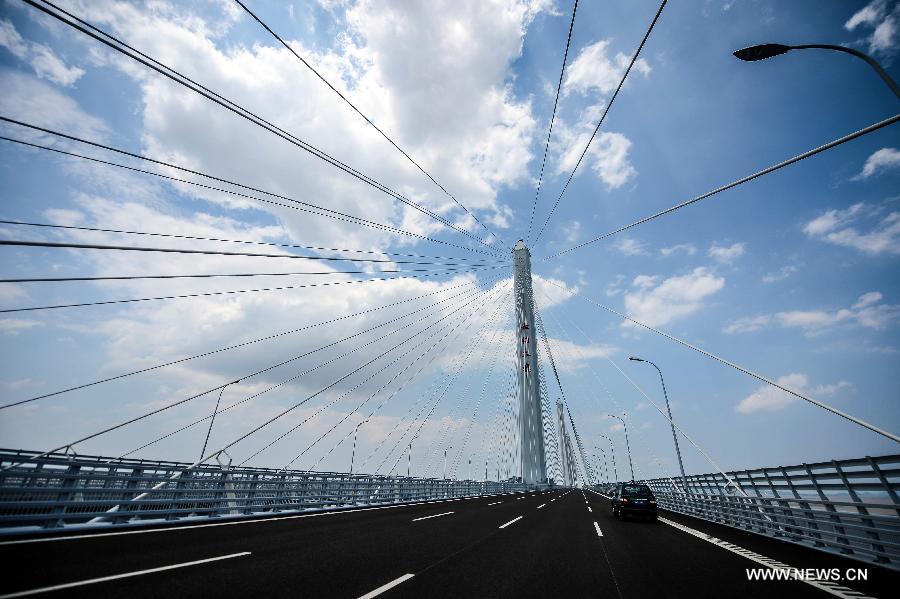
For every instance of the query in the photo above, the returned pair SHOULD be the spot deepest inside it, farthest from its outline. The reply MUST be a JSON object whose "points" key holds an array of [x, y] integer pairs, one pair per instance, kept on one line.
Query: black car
{"points": [[633, 499]]}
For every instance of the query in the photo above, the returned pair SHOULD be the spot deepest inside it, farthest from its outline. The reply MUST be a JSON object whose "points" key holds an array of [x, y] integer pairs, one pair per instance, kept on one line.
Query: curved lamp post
{"points": [[213, 418], [612, 450], [671, 422], [764, 51], [627, 444]]}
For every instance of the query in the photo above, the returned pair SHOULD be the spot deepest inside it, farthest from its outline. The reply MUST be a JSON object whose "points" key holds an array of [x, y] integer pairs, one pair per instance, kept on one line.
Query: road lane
{"points": [[339, 554], [536, 544]]}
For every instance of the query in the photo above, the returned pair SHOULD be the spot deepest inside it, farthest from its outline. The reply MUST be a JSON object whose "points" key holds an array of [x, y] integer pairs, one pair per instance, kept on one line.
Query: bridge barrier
{"points": [[849, 507], [63, 490]]}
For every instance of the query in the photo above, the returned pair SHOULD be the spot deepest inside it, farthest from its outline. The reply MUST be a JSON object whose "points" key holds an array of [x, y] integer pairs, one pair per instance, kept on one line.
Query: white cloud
{"points": [[630, 247], [610, 159], [834, 226], [30, 100], [783, 273], [572, 231], [673, 298], [45, 63], [883, 159], [772, 399], [614, 287], [687, 248], [448, 104], [868, 311], [14, 326], [594, 70], [884, 24], [748, 324], [726, 254], [607, 155]]}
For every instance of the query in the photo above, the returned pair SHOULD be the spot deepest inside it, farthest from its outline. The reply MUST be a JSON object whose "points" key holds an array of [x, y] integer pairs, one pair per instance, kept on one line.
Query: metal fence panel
{"points": [[63, 490], [850, 507]]}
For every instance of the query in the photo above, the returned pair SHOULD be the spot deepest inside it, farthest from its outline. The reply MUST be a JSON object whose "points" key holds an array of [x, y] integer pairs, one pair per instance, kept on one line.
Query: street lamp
{"points": [[355, 432], [764, 51], [669, 410], [627, 444], [605, 463], [213, 419], [445, 461], [612, 450]]}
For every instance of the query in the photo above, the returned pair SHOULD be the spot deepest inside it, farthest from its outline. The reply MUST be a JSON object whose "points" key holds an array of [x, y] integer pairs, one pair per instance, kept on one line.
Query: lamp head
{"points": [[761, 52], [635, 359]]}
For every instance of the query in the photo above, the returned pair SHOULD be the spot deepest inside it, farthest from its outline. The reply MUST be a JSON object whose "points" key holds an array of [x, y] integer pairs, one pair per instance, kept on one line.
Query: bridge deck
{"points": [[552, 551]]}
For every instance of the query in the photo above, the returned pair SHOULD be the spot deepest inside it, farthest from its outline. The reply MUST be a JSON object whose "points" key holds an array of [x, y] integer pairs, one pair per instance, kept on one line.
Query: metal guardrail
{"points": [[61, 490], [850, 507]]}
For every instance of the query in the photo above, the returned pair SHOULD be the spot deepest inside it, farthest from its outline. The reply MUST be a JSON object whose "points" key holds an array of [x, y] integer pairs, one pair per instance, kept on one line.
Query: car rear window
{"points": [[636, 491]]}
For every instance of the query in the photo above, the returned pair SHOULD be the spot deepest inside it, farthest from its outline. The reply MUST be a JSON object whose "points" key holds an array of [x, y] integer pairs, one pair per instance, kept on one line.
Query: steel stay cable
{"points": [[295, 204], [367, 119], [133, 248], [216, 351], [218, 240], [439, 398], [314, 395], [481, 395], [317, 367], [239, 291], [192, 397], [446, 434], [488, 450], [603, 116], [177, 77], [746, 371], [393, 394], [507, 386], [662, 412], [585, 464], [432, 389], [849, 137], [227, 275], [471, 296], [430, 394], [431, 459], [562, 72]]}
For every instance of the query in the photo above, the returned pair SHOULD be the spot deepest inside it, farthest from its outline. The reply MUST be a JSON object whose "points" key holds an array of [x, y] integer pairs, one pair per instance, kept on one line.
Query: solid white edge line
{"points": [[590, 510], [386, 587], [432, 516], [495, 503], [830, 588], [513, 521], [542, 505], [597, 528], [69, 585]]}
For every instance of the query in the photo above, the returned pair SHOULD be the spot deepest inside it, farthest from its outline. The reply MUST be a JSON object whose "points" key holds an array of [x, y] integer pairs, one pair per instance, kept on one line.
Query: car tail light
{"points": [[652, 501], [624, 500]]}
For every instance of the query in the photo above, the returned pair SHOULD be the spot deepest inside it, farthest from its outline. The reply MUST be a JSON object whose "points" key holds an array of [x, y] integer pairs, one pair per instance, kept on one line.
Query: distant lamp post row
{"points": [[764, 51]]}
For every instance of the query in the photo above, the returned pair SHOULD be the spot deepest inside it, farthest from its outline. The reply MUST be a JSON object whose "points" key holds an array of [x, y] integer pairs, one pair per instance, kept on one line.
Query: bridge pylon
{"points": [[531, 429]]}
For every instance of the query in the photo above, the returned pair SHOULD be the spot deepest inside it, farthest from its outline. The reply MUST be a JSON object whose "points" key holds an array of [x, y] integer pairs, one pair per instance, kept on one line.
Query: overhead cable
{"points": [[367, 119], [123, 48], [603, 116], [765, 171]]}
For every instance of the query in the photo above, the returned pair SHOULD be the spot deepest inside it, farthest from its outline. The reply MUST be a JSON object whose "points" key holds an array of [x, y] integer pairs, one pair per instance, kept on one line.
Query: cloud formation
{"points": [[674, 298], [840, 227], [772, 399], [868, 311]]}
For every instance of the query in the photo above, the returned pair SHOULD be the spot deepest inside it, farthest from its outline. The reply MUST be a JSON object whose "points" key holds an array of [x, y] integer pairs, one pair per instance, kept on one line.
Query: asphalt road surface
{"points": [[553, 544]]}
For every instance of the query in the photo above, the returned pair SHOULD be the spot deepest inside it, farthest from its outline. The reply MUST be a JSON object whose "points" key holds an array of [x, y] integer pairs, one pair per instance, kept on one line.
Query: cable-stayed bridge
{"points": [[489, 484]]}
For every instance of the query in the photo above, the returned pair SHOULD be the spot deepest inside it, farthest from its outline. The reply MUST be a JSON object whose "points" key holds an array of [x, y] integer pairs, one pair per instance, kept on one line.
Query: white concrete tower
{"points": [[531, 428]]}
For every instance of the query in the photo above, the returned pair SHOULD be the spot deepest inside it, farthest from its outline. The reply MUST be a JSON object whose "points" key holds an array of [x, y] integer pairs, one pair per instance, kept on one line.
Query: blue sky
{"points": [[792, 275]]}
